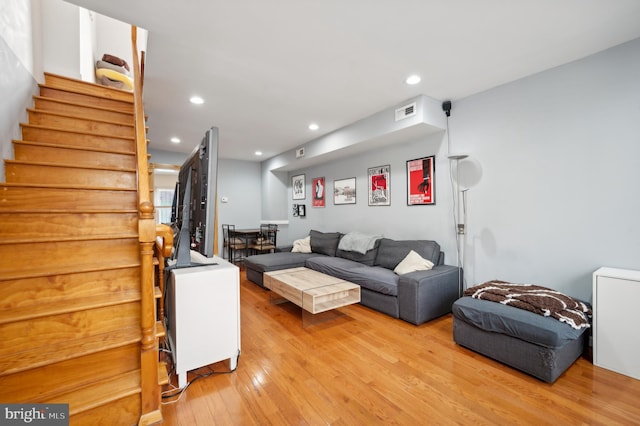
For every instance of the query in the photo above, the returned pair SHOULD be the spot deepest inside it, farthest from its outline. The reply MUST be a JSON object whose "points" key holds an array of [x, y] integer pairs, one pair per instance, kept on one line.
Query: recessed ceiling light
{"points": [[175, 140], [196, 100], [413, 79], [258, 153], [313, 126]]}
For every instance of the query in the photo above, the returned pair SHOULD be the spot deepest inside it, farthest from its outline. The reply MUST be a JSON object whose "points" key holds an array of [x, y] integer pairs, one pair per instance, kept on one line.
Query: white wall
{"points": [[560, 159], [87, 48], [18, 65], [61, 38]]}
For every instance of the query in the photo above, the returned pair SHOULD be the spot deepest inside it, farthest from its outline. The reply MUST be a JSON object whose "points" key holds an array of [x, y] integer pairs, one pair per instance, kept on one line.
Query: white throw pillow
{"points": [[302, 246], [413, 262]]}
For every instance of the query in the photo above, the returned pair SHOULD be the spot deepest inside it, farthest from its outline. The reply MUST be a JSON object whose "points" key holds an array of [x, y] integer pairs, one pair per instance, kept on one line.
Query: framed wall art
{"points": [[344, 191], [421, 181], [318, 188], [297, 187], [378, 185]]}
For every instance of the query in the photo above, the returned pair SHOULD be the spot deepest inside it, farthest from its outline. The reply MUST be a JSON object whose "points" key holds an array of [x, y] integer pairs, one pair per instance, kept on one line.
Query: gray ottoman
{"points": [[540, 346]]}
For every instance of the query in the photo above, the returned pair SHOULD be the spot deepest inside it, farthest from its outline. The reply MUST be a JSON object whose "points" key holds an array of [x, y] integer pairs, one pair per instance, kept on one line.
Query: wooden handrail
{"points": [[150, 396], [163, 249], [164, 239]]}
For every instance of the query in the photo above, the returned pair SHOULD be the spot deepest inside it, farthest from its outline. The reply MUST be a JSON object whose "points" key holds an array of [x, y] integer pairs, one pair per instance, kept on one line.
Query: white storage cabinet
{"points": [[616, 340], [204, 316]]}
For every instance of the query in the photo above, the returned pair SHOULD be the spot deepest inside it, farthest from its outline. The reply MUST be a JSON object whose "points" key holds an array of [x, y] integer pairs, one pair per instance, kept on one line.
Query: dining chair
{"points": [[266, 239], [234, 247]]}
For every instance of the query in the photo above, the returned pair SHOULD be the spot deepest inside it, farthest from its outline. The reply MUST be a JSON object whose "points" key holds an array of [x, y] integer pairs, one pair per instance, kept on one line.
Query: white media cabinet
{"points": [[203, 314], [616, 341]]}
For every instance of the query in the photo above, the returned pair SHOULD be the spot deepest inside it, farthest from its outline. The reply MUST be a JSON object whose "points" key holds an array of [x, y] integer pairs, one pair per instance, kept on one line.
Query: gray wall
{"points": [[398, 220], [560, 159], [238, 181], [552, 174]]}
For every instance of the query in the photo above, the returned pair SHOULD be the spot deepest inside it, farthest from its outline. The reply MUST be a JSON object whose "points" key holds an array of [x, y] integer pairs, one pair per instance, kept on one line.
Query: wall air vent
{"points": [[406, 111], [299, 152]]}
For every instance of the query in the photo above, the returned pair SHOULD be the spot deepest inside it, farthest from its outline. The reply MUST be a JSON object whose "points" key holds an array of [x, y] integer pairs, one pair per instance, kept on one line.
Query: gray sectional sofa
{"points": [[415, 297]]}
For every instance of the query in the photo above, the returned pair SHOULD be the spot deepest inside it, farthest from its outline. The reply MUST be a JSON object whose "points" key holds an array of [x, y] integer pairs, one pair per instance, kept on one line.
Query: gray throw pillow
{"points": [[324, 242]]}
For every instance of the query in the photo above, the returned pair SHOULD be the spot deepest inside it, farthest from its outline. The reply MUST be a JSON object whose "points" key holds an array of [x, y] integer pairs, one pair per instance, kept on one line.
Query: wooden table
{"points": [[313, 291]]}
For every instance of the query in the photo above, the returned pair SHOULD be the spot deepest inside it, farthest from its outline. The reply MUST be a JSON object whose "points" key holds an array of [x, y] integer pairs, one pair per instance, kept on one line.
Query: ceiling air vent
{"points": [[300, 152], [406, 111]]}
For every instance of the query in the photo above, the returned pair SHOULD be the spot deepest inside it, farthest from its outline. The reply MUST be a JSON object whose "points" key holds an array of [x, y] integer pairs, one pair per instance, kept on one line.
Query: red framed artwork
{"points": [[421, 181], [317, 185], [379, 179]]}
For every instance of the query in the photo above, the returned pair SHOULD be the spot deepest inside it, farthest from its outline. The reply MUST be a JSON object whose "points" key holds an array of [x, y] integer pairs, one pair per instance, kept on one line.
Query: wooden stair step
{"points": [[26, 298], [65, 174], [163, 374], [157, 293], [59, 154], [52, 119], [127, 410], [48, 225], [19, 239], [59, 343], [88, 111], [74, 305], [80, 98], [65, 198], [69, 137], [70, 84], [23, 260], [42, 383], [99, 393]]}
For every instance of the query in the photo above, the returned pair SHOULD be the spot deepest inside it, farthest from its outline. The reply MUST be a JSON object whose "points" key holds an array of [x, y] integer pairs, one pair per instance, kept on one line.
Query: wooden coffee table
{"points": [[313, 291]]}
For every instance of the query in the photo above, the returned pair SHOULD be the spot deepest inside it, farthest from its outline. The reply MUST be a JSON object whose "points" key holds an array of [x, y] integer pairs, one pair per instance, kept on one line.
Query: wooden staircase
{"points": [[72, 261]]}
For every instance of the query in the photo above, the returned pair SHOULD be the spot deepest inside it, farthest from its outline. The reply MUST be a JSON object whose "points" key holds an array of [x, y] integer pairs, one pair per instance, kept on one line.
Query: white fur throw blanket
{"points": [[540, 300]]}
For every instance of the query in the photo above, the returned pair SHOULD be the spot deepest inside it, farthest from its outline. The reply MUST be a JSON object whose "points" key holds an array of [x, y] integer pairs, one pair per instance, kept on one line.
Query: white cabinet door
{"points": [[616, 339]]}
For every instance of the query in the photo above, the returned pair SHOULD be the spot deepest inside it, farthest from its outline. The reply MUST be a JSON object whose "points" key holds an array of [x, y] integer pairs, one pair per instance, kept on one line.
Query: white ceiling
{"points": [[267, 69]]}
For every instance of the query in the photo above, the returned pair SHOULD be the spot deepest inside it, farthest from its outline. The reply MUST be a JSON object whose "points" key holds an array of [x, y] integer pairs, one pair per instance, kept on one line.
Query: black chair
{"points": [[266, 239], [233, 247]]}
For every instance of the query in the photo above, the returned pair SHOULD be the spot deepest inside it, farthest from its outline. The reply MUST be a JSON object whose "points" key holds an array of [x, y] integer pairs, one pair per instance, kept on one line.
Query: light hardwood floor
{"points": [[367, 368]]}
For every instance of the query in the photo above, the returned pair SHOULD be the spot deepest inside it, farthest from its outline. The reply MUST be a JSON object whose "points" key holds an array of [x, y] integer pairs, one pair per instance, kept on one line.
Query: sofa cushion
{"points": [[366, 259], [324, 242], [391, 252], [514, 322], [373, 278]]}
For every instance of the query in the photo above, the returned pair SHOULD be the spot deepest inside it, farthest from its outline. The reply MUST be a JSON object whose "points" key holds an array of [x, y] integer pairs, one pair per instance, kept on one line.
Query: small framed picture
{"points": [[302, 210], [317, 186], [421, 181], [344, 191], [378, 185], [298, 186]]}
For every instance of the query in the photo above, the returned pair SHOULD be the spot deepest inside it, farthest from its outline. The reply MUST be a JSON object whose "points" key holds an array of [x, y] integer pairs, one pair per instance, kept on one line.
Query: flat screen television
{"points": [[194, 202]]}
